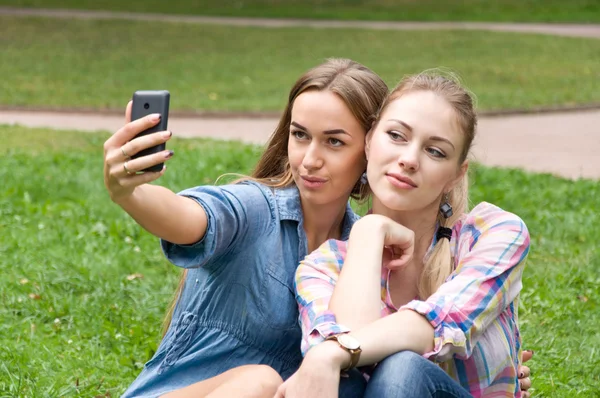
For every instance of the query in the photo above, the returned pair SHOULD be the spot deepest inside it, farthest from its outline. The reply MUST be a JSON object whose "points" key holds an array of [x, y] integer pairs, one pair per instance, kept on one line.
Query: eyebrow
{"points": [[402, 123], [326, 132], [433, 138]]}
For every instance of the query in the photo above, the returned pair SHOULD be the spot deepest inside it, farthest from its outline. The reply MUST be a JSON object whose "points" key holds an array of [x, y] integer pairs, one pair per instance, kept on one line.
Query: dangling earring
{"points": [[446, 208], [363, 178]]}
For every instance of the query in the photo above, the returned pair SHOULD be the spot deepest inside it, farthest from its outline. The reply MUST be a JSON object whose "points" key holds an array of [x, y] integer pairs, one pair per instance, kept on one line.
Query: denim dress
{"points": [[238, 304]]}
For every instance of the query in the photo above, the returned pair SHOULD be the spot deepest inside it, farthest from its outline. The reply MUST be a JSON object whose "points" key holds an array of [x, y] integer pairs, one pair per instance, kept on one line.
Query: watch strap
{"points": [[354, 353]]}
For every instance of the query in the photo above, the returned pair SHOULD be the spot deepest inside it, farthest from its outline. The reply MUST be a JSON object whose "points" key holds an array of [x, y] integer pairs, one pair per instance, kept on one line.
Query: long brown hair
{"points": [[439, 265], [360, 88]]}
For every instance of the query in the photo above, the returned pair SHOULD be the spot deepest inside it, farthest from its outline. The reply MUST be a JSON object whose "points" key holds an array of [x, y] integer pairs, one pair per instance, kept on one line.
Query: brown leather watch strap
{"points": [[351, 345]]}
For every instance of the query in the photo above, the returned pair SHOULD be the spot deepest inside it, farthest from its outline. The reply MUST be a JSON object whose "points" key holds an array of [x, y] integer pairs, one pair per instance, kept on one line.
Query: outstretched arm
{"points": [[157, 209]]}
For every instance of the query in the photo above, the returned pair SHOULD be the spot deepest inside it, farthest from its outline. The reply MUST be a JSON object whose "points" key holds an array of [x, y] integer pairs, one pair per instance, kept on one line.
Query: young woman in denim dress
{"points": [[241, 243]]}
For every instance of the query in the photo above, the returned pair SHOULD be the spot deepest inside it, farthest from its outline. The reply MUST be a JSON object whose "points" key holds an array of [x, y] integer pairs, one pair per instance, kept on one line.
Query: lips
{"points": [[403, 179], [313, 179], [313, 183]]}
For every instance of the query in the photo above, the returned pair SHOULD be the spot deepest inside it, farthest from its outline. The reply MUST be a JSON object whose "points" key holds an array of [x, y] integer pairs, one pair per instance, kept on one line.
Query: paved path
{"points": [[591, 30], [565, 144]]}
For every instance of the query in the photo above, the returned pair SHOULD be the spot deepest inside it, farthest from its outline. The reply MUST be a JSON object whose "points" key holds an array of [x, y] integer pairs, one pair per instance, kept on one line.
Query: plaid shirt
{"points": [[474, 313]]}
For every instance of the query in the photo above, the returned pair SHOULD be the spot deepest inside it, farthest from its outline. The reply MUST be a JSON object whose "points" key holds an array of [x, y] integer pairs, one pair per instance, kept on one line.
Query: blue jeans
{"points": [[352, 386], [408, 375]]}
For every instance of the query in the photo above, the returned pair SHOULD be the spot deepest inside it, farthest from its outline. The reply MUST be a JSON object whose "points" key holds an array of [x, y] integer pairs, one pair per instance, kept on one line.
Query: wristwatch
{"points": [[349, 344]]}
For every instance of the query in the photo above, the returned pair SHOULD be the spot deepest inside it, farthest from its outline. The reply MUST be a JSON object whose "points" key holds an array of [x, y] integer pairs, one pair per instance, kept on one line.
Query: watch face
{"points": [[348, 341]]}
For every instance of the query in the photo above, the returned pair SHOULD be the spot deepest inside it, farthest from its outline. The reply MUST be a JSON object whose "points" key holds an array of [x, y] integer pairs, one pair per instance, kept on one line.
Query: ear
{"points": [[462, 171]]}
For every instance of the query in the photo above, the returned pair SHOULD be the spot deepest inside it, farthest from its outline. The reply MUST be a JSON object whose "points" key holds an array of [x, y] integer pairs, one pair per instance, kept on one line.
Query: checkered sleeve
{"points": [[315, 280], [492, 247]]}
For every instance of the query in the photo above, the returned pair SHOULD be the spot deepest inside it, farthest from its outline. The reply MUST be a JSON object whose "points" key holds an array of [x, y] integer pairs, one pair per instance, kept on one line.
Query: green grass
{"points": [[73, 324], [98, 64], [399, 10]]}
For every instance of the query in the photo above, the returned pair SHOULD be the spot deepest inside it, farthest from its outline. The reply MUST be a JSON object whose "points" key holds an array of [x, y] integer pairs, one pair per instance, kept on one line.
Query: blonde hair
{"points": [[439, 264], [362, 90]]}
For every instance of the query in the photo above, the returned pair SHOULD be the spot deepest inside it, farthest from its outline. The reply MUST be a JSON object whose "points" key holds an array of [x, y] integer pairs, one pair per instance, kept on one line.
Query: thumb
{"points": [[395, 257], [128, 112]]}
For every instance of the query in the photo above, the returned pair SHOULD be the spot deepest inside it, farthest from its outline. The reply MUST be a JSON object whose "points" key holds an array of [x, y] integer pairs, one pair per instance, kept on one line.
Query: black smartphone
{"points": [[146, 102]]}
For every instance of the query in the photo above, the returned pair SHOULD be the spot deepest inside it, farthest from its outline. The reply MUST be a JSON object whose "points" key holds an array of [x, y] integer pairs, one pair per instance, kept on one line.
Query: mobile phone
{"points": [[146, 102]]}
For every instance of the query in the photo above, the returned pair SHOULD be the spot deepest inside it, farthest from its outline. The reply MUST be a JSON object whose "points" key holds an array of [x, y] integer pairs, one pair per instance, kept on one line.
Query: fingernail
{"points": [[169, 154], [155, 117], [167, 134]]}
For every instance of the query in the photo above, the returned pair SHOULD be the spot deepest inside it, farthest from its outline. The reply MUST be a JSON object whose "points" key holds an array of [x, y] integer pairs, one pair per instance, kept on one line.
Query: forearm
{"points": [[163, 213], [361, 273], [402, 331]]}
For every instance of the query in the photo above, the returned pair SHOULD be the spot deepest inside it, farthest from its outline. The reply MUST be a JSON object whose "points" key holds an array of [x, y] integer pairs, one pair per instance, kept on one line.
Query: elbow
{"points": [[421, 332], [425, 338]]}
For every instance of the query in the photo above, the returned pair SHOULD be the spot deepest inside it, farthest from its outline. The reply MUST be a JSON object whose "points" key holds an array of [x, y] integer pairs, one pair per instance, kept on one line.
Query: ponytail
{"points": [[440, 263]]}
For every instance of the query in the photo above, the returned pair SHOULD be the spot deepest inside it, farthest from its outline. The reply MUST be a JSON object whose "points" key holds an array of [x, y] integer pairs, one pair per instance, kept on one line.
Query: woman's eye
{"points": [[436, 153], [335, 142], [395, 136], [299, 135]]}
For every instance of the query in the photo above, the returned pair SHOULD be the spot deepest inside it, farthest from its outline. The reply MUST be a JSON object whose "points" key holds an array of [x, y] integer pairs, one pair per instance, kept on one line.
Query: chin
{"points": [[395, 201], [321, 197], [316, 198]]}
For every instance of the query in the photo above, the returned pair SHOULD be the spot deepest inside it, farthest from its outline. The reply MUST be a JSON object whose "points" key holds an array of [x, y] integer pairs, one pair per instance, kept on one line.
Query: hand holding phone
{"points": [[146, 102]]}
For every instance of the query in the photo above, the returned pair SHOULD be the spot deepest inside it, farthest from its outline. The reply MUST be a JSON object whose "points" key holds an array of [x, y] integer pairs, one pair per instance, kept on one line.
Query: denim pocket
{"points": [[184, 330]]}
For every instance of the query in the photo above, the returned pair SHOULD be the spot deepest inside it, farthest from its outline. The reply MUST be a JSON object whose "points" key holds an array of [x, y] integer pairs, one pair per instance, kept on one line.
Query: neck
{"points": [[421, 222], [323, 222]]}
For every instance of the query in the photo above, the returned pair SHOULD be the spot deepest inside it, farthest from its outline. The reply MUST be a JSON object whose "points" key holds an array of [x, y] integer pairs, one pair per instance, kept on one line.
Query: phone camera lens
{"points": [[146, 105]]}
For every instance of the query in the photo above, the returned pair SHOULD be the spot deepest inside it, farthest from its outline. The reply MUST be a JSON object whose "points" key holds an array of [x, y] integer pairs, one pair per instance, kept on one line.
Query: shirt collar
{"points": [[290, 208], [288, 203]]}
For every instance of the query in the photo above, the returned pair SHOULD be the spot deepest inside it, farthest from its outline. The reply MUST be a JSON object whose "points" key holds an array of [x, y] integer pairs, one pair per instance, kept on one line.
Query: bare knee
{"points": [[249, 381], [264, 380]]}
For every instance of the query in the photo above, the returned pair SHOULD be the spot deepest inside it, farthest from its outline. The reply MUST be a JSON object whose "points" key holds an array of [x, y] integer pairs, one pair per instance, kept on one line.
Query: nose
{"points": [[312, 158], [409, 158]]}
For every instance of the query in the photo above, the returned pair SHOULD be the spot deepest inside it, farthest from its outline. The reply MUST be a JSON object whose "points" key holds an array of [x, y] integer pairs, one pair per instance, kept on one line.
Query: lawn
{"points": [[98, 64], [84, 289], [398, 10]]}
